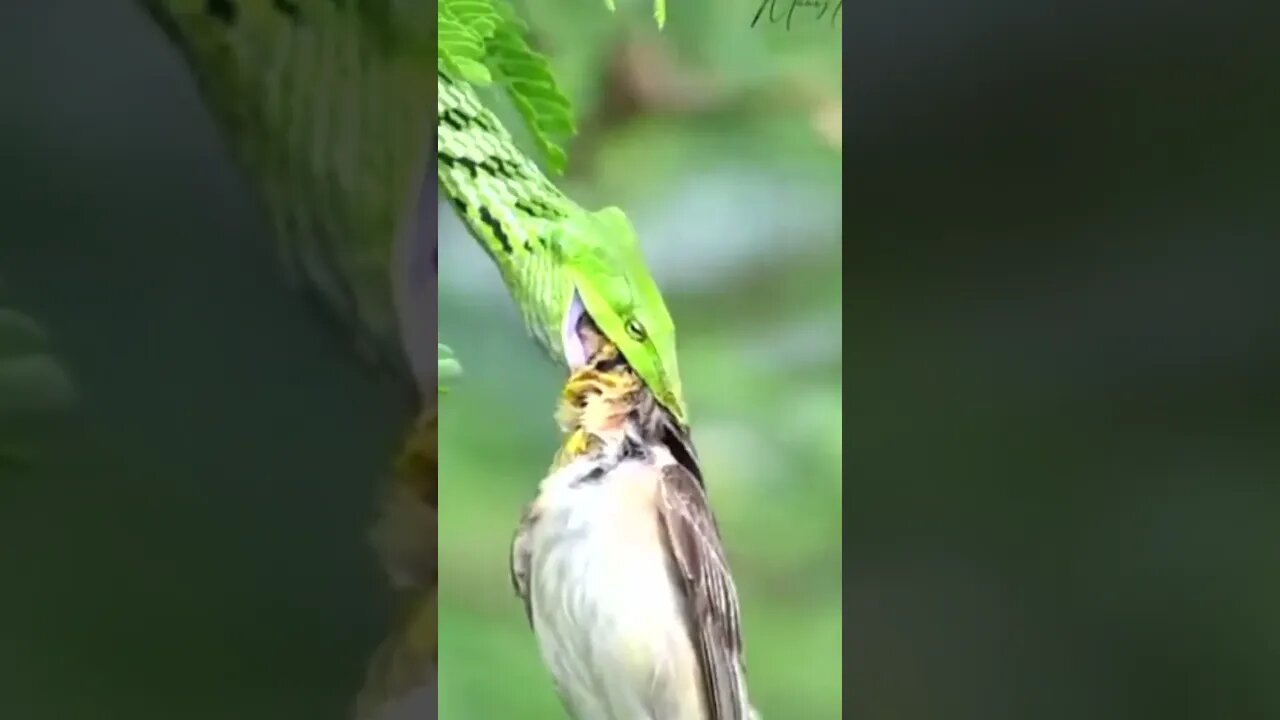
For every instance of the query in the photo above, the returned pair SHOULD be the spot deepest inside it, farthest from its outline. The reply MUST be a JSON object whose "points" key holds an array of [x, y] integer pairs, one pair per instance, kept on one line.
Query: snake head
{"points": [[612, 286]]}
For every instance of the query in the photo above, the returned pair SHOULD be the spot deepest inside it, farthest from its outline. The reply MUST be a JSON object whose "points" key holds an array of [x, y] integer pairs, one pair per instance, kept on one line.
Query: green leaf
{"points": [[476, 37], [478, 15], [447, 367], [464, 27], [659, 10], [32, 380], [34, 387], [533, 90], [473, 72]]}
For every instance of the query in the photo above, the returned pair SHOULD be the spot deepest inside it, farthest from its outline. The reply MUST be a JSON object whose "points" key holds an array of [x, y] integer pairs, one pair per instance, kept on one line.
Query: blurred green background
{"points": [[721, 143], [1062, 295]]}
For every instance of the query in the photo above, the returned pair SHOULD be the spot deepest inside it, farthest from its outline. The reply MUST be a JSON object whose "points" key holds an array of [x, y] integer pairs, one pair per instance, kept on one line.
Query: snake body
{"points": [[507, 203]]}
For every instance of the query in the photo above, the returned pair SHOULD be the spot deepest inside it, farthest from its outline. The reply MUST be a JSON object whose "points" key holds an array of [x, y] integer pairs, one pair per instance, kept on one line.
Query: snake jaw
{"points": [[575, 351]]}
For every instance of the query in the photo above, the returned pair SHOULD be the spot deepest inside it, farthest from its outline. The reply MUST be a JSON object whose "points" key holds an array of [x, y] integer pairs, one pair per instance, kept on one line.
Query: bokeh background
{"points": [[182, 531], [722, 143], [1062, 296]]}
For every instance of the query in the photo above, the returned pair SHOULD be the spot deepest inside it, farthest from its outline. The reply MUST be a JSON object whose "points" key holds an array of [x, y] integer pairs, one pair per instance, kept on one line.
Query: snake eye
{"points": [[636, 330]]}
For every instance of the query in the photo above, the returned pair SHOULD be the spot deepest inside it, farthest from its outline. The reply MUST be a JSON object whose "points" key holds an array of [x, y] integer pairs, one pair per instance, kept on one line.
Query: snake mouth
{"points": [[576, 352], [582, 341]]}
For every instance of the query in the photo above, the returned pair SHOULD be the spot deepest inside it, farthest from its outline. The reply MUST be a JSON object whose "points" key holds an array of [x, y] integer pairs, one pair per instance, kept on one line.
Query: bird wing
{"points": [[520, 560], [694, 543]]}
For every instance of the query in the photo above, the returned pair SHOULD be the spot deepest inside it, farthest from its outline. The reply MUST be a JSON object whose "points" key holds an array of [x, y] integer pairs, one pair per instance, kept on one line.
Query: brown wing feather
{"points": [[520, 565], [713, 600]]}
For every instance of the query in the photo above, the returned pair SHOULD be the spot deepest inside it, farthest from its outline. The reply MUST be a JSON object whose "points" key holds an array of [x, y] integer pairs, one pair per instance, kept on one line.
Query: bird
{"points": [[620, 565]]}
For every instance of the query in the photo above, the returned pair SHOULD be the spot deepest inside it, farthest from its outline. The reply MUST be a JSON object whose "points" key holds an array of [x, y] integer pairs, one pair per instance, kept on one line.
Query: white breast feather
{"points": [[609, 622]]}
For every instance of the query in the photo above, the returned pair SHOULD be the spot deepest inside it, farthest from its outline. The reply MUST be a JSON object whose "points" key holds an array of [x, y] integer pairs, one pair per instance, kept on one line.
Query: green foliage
{"points": [[33, 386], [533, 89], [464, 30], [446, 366], [659, 10], [481, 39]]}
